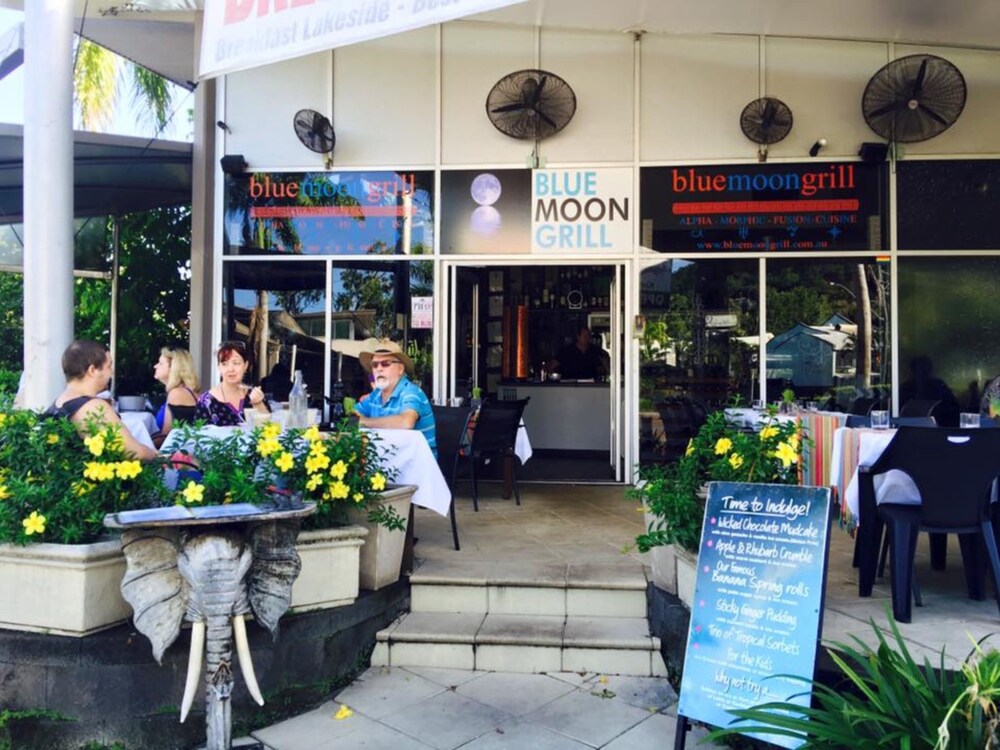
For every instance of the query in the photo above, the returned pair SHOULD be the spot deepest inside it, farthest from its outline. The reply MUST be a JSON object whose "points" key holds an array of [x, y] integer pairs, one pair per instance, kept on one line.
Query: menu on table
{"points": [[758, 601]]}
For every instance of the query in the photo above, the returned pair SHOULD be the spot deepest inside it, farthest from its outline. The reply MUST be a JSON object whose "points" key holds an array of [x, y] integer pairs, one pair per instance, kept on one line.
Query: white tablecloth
{"points": [[753, 419], [141, 424], [522, 446], [891, 487], [408, 453]]}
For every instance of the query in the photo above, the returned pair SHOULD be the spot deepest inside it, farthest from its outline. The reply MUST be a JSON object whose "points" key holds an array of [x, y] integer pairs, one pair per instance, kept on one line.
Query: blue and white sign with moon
{"points": [[485, 192]]}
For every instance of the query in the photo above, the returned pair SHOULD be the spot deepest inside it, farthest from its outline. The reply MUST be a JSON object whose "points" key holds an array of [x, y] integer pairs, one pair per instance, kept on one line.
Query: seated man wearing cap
{"points": [[396, 401]]}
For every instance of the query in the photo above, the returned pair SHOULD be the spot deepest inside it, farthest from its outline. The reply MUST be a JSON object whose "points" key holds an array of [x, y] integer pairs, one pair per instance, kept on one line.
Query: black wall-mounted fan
{"points": [[766, 120], [530, 104], [914, 98], [315, 131]]}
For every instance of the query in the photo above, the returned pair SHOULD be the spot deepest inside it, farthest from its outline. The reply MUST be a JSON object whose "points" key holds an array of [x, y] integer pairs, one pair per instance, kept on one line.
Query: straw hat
{"points": [[385, 346]]}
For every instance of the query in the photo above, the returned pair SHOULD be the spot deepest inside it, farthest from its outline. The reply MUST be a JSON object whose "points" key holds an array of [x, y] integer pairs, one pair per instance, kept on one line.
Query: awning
{"points": [[112, 174]]}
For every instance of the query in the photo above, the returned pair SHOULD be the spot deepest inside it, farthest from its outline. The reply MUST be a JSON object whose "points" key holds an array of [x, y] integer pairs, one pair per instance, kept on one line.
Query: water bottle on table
{"points": [[298, 404]]}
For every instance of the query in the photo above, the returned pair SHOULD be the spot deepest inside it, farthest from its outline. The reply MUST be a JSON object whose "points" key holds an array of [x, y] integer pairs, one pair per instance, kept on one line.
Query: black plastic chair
{"points": [[450, 426], [902, 421], [493, 437], [953, 471], [862, 405], [918, 407], [859, 420]]}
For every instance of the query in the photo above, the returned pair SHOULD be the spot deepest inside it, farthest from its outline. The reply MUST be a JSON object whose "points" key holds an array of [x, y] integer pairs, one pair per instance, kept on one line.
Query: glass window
{"points": [[947, 315], [329, 213], [828, 331], [698, 347]]}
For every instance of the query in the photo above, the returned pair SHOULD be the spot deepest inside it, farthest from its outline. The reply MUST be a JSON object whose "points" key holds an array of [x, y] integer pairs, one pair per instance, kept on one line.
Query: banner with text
{"points": [[758, 601], [240, 34], [581, 210]]}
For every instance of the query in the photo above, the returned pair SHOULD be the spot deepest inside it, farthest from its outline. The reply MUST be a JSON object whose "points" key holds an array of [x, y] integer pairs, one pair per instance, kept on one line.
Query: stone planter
{"points": [[330, 565], [674, 568], [63, 589], [382, 555]]}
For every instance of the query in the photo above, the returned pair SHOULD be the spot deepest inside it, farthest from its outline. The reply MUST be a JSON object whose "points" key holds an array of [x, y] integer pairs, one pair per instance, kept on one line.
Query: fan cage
{"points": [[530, 104]]}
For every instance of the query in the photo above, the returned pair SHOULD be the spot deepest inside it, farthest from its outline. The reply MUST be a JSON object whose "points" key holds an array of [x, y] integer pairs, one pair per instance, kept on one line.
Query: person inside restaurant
{"points": [[88, 368], [924, 386], [580, 360], [224, 404], [175, 369], [396, 401]]}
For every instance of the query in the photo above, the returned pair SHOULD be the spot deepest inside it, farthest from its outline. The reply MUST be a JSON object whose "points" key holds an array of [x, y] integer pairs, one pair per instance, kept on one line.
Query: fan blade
{"points": [[317, 123], [303, 123], [541, 85], [918, 84], [549, 120], [511, 107], [887, 108], [767, 116], [933, 115]]}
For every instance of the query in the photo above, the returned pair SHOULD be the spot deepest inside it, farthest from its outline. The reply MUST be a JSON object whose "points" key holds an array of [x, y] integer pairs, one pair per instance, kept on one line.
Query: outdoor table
{"points": [[142, 425], [855, 446], [406, 451]]}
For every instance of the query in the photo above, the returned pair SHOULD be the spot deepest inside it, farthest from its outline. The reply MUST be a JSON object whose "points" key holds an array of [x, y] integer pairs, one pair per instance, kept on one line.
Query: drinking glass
{"points": [[968, 420], [757, 405], [456, 401], [880, 419], [812, 406]]}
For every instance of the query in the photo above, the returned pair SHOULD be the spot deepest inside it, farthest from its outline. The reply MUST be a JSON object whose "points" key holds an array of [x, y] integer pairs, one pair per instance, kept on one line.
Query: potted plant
{"points": [[343, 473], [673, 495], [55, 489]]}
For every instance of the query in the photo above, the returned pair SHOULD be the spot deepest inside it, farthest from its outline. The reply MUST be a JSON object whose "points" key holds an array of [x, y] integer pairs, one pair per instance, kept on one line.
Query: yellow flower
{"points": [[128, 469], [96, 471], [312, 434], [722, 446], [339, 491], [768, 432], [793, 441], [268, 445], [690, 449], [3, 418], [34, 524], [95, 444], [343, 713], [4, 492], [786, 454], [52, 439], [285, 461], [194, 492], [358, 497], [228, 498], [317, 449], [338, 470], [315, 481], [271, 430], [316, 463], [378, 482], [736, 460]]}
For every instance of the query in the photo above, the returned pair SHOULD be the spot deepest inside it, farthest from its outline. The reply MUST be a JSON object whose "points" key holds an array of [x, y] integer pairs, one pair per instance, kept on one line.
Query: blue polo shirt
{"points": [[407, 395]]}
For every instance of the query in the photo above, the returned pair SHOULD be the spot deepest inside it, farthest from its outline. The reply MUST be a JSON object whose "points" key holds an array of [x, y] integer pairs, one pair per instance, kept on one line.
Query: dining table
{"points": [[861, 446], [405, 452], [142, 425]]}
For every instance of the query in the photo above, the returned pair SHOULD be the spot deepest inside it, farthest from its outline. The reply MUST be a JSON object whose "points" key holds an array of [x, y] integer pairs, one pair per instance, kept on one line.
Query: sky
{"points": [[124, 120]]}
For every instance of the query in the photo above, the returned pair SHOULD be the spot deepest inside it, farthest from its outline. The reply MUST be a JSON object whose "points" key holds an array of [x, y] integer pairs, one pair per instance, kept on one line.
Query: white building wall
{"points": [[385, 102]]}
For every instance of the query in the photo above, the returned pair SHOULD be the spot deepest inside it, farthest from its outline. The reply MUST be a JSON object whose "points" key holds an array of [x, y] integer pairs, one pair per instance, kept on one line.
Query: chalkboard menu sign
{"points": [[758, 600], [820, 206]]}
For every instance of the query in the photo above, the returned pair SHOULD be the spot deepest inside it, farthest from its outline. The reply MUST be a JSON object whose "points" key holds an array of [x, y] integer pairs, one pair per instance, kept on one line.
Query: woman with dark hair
{"points": [[88, 368], [224, 404]]}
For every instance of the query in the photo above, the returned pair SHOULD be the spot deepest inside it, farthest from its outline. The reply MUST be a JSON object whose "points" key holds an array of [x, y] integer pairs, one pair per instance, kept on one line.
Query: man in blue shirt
{"points": [[396, 402]]}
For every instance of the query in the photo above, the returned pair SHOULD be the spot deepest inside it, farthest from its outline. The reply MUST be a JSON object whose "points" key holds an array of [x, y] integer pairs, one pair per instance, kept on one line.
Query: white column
{"points": [[48, 196]]}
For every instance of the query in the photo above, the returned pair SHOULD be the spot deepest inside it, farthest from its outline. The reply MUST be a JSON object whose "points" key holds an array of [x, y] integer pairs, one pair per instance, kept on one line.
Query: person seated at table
{"points": [[175, 369], [579, 360], [396, 402], [224, 404], [88, 368], [277, 384], [991, 395], [924, 386]]}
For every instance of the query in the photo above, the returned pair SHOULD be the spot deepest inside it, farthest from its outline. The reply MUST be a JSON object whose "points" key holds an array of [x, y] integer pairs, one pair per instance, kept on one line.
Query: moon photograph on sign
{"points": [[485, 189], [485, 220]]}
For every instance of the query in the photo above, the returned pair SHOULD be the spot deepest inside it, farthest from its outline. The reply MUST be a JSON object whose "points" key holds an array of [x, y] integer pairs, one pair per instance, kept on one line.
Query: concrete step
{"points": [[521, 643], [531, 589]]}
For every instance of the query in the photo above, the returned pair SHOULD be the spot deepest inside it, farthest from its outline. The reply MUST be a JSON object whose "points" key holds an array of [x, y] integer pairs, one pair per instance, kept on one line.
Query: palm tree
{"points": [[98, 77]]}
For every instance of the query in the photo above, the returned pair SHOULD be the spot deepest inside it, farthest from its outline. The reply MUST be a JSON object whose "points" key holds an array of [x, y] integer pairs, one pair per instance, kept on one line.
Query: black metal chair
{"points": [[494, 434], [451, 423], [953, 471]]}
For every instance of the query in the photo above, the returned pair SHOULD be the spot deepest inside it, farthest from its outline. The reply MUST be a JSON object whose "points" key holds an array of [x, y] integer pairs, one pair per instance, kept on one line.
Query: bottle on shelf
{"points": [[298, 403]]}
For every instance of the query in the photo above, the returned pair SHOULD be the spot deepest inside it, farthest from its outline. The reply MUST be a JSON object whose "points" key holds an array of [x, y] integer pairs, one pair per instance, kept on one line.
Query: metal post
{"points": [[48, 196], [116, 228]]}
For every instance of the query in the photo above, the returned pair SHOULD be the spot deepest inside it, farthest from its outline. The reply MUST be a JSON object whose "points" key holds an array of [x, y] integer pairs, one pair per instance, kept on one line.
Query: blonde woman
{"points": [[175, 370]]}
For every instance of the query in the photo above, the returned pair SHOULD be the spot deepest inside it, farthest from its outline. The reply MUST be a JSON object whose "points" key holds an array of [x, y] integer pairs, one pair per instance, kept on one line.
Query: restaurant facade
{"points": [[706, 266]]}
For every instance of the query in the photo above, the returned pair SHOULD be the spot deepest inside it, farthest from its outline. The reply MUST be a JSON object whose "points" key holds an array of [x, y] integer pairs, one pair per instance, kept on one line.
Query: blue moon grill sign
{"points": [[581, 210]]}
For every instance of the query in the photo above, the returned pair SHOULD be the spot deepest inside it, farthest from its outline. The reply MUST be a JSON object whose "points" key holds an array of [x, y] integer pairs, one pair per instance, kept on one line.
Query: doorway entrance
{"points": [[552, 333]]}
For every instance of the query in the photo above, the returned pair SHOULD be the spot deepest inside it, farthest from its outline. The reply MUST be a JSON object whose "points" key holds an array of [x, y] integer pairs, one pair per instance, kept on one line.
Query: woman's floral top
{"points": [[221, 413]]}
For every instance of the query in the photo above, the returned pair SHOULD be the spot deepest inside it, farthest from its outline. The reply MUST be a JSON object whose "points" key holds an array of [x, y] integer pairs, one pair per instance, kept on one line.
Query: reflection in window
{"points": [[828, 331], [698, 347], [278, 310], [948, 313]]}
